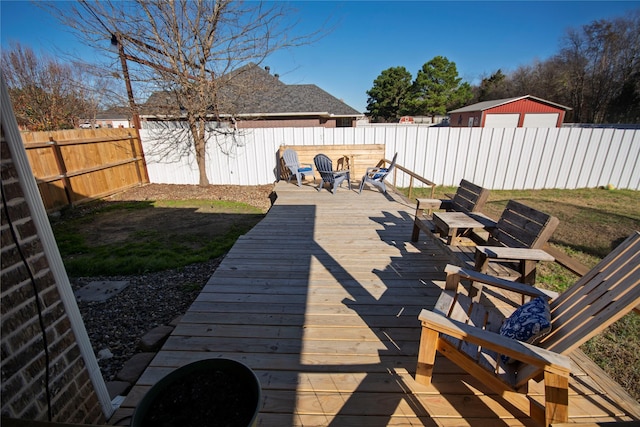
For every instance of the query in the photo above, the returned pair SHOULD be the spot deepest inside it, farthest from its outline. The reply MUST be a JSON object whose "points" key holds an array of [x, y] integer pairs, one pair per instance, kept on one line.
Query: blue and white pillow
{"points": [[380, 173], [529, 323]]}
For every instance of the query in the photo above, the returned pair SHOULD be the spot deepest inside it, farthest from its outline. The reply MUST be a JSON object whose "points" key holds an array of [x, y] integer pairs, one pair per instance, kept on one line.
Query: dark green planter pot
{"points": [[211, 392]]}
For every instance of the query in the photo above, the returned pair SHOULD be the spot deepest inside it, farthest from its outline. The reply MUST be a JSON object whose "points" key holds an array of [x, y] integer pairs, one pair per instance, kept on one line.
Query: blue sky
{"points": [[371, 36]]}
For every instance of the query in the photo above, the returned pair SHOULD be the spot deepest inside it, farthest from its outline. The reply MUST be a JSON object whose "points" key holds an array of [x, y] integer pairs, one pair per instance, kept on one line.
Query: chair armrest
{"points": [[497, 282], [336, 172], [522, 254], [373, 170], [527, 353], [430, 203]]}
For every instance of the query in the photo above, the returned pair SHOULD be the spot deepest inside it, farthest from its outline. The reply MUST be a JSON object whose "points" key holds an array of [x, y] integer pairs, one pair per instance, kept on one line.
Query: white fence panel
{"points": [[555, 145], [634, 175], [631, 160], [592, 159], [488, 158], [495, 158], [544, 151], [168, 156], [611, 161], [513, 152], [451, 154], [521, 173], [575, 159], [500, 160]]}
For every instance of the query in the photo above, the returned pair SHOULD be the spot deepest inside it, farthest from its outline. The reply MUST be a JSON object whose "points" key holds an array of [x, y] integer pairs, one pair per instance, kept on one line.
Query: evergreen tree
{"points": [[387, 98], [437, 88]]}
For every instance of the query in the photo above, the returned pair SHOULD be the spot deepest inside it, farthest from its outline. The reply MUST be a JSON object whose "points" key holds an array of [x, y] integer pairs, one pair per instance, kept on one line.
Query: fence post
{"points": [[62, 168], [410, 186], [138, 153]]}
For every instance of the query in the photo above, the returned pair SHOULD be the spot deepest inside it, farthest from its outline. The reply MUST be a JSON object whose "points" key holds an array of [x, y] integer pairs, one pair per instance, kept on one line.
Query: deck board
{"points": [[321, 300]]}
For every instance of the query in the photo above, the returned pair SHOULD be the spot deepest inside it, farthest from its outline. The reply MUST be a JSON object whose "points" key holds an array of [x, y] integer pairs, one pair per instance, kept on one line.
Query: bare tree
{"points": [[596, 73], [46, 94], [601, 62], [194, 50]]}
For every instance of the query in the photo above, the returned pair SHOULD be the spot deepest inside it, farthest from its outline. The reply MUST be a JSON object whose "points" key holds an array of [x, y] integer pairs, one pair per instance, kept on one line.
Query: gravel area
{"points": [[116, 326]]}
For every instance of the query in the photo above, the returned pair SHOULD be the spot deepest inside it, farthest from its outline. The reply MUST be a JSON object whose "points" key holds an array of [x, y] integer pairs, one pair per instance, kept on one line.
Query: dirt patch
{"points": [[177, 222], [258, 196], [168, 222]]}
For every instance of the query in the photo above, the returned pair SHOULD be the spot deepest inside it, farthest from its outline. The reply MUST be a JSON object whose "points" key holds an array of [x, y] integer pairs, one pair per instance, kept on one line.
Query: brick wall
{"points": [[25, 304]]}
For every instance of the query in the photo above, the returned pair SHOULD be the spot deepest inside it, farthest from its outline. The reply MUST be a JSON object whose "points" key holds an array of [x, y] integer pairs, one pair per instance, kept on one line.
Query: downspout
{"points": [[41, 221]]}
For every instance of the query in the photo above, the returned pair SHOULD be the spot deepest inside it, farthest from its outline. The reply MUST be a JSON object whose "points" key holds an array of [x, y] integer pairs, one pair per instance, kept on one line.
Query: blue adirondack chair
{"points": [[300, 170], [328, 175], [375, 176]]}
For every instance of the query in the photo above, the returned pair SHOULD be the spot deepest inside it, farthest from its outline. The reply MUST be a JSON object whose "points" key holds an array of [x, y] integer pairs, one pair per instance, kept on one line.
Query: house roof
{"points": [[485, 105], [253, 91], [114, 113]]}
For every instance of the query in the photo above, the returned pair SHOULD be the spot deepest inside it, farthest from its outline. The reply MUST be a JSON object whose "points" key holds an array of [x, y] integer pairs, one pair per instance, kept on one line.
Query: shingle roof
{"points": [[485, 105], [114, 113], [253, 91]]}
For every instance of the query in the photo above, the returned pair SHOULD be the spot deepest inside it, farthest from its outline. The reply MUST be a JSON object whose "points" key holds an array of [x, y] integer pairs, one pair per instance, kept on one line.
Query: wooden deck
{"points": [[321, 300]]}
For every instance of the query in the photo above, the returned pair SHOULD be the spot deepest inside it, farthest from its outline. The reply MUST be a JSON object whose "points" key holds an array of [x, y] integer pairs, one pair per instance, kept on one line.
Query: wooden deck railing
{"points": [[412, 177]]}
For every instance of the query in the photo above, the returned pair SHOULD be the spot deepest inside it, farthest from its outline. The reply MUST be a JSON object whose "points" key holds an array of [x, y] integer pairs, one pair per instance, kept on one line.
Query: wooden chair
{"points": [[468, 198], [465, 332], [513, 247]]}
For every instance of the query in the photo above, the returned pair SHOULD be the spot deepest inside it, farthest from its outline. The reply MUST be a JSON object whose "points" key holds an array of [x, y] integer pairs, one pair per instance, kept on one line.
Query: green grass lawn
{"points": [[123, 238]]}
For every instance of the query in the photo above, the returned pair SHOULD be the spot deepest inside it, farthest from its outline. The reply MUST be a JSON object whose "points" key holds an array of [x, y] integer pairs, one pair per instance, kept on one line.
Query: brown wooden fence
{"points": [[75, 166]]}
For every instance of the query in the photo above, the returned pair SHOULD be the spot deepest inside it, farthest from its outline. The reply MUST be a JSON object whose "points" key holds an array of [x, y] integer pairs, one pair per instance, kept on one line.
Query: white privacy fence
{"points": [[513, 158]]}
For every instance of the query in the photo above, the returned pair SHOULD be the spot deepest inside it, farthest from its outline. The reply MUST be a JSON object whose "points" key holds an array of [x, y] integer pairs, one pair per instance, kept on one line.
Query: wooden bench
{"points": [[513, 248], [468, 198]]}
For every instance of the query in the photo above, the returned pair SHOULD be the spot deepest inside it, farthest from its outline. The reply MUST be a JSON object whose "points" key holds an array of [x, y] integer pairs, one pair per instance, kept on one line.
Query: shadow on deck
{"points": [[321, 300]]}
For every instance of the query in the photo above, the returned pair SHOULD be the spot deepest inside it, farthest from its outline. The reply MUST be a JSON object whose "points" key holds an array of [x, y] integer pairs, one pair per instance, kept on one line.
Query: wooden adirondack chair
{"points": [[513, 248], [465, 332], [469, 197]]}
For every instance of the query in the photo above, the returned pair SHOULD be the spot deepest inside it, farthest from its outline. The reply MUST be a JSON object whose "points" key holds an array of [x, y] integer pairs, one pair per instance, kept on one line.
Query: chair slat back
{"points": [[290, 157], [469, 197], [608, 292], [460, 307], [521, 226], [391, 165], [325, 167]]}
